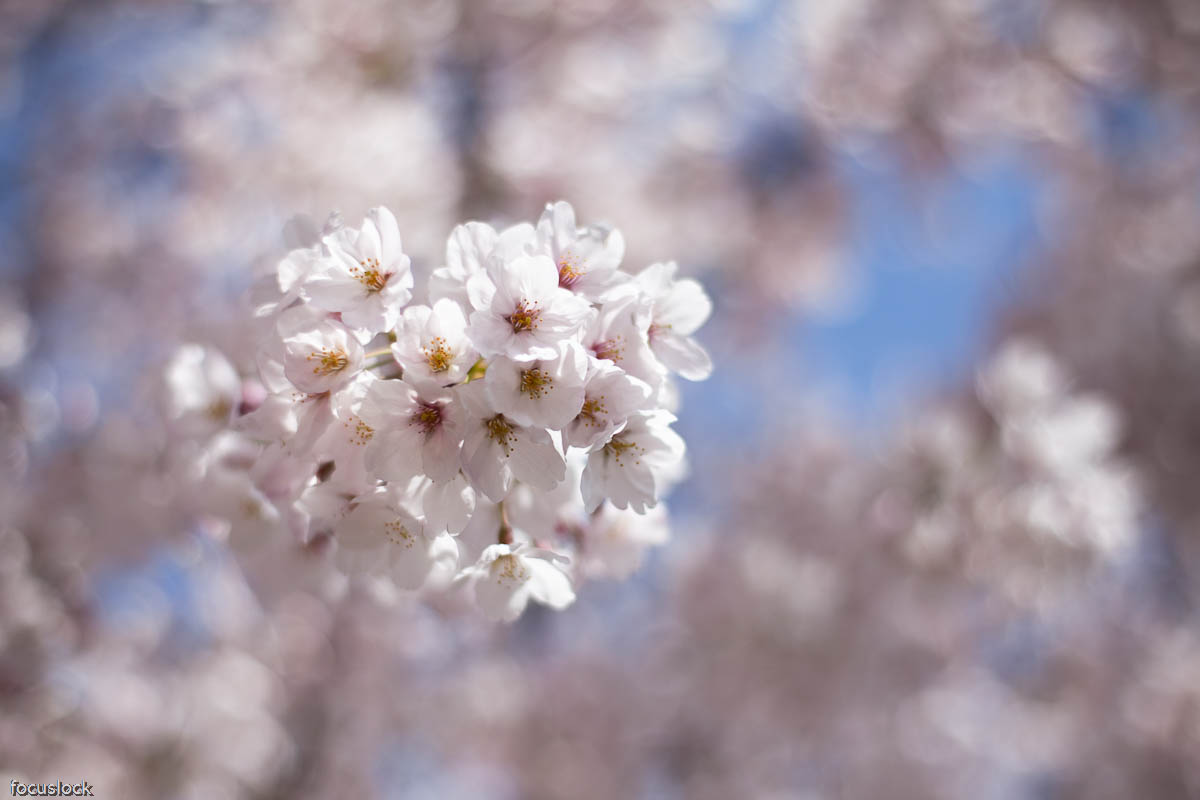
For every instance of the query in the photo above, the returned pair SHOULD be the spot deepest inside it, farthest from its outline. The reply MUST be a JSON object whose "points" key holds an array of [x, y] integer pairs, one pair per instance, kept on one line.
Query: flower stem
{"points": [[505, 536]]}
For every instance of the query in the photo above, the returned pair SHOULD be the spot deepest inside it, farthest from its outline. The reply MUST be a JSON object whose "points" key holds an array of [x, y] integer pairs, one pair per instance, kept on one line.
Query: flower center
{"points": [[360, 433], [397, 533], [536, 383], [619, 449], [437, 355], [610, 349], [429, 418], [525, 317], [569, 271], [370, 274], [508, 569], [218, 410], [593, 408], [501, 432], [329, 361]]}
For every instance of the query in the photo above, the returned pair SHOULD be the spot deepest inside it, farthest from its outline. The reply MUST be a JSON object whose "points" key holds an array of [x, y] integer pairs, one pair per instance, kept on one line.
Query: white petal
{"points": [[440, 457], [369, 243], [485, 465], [411, 563], [448, 506], [469, 246], [491, 334], [395, 454], [536, 460], [331, 288], [685, 307], [370, 316], [388, 232], [549, 585], [481, 291], [682, 354], [558, 220], [387, 401], [499, 603], [533, 279]]}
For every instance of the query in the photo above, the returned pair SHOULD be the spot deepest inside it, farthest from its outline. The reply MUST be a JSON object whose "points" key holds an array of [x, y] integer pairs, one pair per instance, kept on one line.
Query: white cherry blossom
{"points": [[322, 357], [276, 328], [497, 449], [246, 485], [413, 431], [327, 502], [345, 440], [507, 577], [520, 312], [254, 522], [301, 233], [547, 393], [619, 332], [203, 390], [617, 540], [677, 309], [432, 345], [298, 419], [467, 252], [443, 506], [632, 467], [273, 293], [586, 258], [481, 531], [364, 275], [610, 396], [548, 515], [378, 536]]}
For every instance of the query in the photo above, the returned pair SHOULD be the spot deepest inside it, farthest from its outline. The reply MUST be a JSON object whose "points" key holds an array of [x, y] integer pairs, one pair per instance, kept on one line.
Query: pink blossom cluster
{"points": [[510, 433]]}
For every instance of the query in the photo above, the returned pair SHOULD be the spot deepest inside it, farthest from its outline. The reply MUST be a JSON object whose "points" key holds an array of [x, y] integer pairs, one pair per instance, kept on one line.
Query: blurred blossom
{"points": [[988, 591], [16, 332]]}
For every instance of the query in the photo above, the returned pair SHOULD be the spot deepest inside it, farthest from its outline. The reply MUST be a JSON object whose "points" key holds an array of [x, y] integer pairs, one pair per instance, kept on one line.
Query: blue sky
{"points": [[937, 264]]}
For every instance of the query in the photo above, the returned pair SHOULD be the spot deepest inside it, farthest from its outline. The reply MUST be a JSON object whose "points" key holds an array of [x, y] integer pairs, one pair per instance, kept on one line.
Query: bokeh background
{"points": [[941, 537]]}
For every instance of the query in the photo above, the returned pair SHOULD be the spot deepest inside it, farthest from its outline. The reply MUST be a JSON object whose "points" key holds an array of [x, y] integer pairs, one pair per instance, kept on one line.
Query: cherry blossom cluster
{"points": [[511, 433]]}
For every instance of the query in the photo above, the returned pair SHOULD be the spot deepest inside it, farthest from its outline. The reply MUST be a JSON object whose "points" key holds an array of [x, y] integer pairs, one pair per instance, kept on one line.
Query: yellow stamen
{"points": [[536, 383], [525, 318], [501, 432], [329, 361], [618, 449], [593, 409], [437, 355], [569, 271], [509, 569], [429, 418], [611, 349], [370, 274], [398, 534], [361, 433]]}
